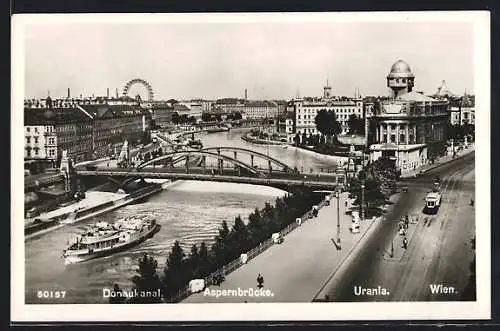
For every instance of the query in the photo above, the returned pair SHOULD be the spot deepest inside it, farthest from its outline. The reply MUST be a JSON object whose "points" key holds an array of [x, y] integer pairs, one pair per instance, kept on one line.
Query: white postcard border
{"points": [[268, 311]]}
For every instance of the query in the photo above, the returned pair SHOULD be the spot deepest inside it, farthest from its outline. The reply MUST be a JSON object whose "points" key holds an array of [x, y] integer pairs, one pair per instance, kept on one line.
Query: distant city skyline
{"points": [[219, 60]]}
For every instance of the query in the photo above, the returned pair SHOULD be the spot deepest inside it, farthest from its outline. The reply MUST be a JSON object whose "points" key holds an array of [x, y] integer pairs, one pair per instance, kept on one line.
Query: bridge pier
{"points": [[251, 160], [269, 166], [236, 167], [204, 163], [187, 164]]}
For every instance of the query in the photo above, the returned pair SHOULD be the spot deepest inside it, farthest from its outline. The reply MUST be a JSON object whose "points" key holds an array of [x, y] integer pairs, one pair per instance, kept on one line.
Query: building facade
{"points": [[409, 126], [86, 129], [162, 115], [261, 109], [306, 109], [49, 130], [114, 124], [463, 110]]}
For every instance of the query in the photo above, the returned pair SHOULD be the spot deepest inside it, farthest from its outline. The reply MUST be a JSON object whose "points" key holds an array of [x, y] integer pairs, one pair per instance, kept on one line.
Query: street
{"points": [[439, 246], [295, 270]]}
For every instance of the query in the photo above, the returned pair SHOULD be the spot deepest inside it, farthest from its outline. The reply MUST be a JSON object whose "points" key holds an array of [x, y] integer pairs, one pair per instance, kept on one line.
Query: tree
{"points": [[220, 247], [147, 280], [296, 139], [175, 118], [321, 121], [379, 180], [206, 117], [218, 117], [193, 261], [237, 116], [255, 227], [175, 274], [146, 137], [192, 120], [239, 237], [356, 124], [205, 262], [327, 124], [351, 122], [304, 138]]}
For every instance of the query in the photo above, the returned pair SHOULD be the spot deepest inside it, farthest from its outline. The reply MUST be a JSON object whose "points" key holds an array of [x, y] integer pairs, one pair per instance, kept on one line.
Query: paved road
{"points": [[439, 250], [296, 269]]}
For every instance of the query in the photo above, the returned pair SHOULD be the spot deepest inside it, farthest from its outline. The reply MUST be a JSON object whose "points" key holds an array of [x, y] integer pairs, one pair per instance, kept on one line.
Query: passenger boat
{"points": [[103, 239], [218, 129]]}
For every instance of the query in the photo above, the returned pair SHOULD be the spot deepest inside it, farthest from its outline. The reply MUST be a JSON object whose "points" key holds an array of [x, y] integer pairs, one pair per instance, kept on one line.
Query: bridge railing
{"points": [[33, 182], [254, 252]]}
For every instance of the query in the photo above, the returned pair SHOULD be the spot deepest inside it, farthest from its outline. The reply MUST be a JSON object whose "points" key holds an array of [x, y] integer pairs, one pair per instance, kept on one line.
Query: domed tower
{"points": [[400, 80]]}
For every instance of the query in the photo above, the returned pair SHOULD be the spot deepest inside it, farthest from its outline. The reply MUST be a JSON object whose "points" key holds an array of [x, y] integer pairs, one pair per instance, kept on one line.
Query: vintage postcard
{"points": [[286, 166]]}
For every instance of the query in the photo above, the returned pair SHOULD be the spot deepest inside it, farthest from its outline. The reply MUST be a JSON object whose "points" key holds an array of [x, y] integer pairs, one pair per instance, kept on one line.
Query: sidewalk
{"points": [[297, 269], [438, 162]]}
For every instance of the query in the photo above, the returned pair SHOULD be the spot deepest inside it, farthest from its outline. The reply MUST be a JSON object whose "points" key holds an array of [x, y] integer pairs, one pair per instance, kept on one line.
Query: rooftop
{"points": [[47, 116], [180, 107], [400, 69], [415, 96]]}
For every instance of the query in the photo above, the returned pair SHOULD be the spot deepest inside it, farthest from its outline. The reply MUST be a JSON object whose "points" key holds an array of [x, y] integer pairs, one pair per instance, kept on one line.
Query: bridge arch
{"points": [[226, 158], [251, 152]]}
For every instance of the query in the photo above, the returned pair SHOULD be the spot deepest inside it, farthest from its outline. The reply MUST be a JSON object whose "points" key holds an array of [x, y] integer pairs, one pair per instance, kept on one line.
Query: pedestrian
{"points": [[346, 203], [405, 243], [260, 281]]}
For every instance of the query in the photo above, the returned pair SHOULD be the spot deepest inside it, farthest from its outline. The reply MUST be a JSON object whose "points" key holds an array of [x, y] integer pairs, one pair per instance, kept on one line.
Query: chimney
{"points": [[246, 94], [69, 93], [107, 92], [117, 93]]}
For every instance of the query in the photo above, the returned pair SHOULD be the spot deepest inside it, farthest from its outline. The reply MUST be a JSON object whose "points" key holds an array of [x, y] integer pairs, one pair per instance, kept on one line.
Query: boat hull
{"points": [[77, 258]]}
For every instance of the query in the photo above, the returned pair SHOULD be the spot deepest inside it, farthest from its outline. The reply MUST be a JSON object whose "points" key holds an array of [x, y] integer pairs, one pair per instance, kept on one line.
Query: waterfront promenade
{"points": [[92, 199], [297, 269]]}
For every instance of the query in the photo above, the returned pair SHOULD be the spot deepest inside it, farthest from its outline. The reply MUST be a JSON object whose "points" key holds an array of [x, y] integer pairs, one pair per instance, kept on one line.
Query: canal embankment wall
{"points": [[42, 226]]}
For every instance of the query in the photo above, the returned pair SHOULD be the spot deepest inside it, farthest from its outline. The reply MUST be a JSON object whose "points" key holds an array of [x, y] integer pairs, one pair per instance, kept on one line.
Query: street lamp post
{"points": [[337, 195], [363, 198]]}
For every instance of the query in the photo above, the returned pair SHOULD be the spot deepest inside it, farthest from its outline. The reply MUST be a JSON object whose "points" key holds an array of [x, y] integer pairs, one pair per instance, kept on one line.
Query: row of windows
{"points": [[402, 138], [35, 140], [313, 123], [399, 80], [336, 110], [48, 128], [52, 152]]}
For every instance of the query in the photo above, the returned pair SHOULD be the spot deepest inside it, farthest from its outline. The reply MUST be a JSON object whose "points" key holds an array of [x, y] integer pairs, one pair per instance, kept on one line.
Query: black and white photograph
{"points": [[272, 166]]}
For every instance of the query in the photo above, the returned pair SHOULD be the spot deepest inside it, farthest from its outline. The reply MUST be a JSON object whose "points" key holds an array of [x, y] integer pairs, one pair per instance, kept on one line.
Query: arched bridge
{"points": [[174, 158], [252, 154]]}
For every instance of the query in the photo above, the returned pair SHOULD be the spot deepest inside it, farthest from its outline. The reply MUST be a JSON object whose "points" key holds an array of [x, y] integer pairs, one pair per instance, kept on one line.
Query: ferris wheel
{"points": [[142, 82]]}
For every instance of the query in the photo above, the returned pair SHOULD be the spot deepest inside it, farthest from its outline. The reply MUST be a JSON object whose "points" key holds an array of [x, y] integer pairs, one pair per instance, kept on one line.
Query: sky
{"points": [[272, 60]]}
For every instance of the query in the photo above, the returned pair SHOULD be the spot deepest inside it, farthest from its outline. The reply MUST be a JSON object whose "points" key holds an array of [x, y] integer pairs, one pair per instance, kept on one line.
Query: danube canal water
{"points": [[188, 211]]}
